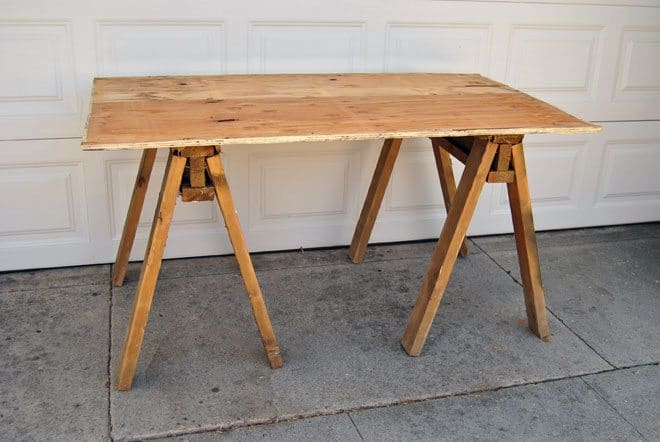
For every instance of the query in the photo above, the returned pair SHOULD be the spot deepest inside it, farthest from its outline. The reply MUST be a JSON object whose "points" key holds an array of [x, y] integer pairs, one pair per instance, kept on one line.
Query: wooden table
{"points": [[475, 119]]}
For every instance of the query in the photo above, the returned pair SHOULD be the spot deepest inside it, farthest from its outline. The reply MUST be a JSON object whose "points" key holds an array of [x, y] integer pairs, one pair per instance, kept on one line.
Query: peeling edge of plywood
{"points": [[362, 136]]}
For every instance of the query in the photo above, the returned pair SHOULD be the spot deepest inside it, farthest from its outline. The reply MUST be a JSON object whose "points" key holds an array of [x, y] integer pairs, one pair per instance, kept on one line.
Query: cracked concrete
{"points": [[202, 374]]}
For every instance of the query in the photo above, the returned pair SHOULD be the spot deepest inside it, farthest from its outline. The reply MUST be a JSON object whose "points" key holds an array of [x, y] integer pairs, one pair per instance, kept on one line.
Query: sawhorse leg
{"points": [[528, 255], [133, 216], [379, 181], [151, 266], [150, 269], [478, 163], [447, 182], [374, 199], [217, 173], [449, 243]]}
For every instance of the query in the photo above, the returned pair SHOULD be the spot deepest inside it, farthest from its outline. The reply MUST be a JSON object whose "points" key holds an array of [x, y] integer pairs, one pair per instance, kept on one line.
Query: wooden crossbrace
{"points": [[500, 170], [194, 186]]}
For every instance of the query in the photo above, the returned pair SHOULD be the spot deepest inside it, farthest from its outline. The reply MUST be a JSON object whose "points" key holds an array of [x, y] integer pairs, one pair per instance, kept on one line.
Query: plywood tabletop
{"points": [[177, 111]]}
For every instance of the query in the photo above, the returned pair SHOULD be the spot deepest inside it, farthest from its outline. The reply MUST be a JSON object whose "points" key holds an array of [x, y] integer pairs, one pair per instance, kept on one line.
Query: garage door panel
{"points": [[557, 62], [160, 48], [37, 81], [639, 64], [44, 202], [555, 170], [629, 173], [306, 46], [293, 185], [599, 61], [438, 47]]}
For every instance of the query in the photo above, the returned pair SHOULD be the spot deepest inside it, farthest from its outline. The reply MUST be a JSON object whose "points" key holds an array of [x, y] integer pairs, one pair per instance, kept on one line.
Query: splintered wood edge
{"points": [[362, 136]]}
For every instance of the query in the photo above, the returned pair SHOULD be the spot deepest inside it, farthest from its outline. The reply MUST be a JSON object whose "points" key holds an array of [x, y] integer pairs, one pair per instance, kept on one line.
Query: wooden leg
{"points": [[217, 173], [446, 175], [374, 198], [150, 270], [446, 251], [133, 216], [528, 257]]}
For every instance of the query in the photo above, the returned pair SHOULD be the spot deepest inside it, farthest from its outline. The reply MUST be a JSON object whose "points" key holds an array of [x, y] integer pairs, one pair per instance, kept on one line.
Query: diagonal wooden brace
{"points": [[500, 170]]}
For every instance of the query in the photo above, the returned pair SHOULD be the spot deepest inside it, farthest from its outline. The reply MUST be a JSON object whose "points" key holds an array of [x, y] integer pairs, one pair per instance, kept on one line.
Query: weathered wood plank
{"points": [[196, 151], [189, 194], [503, 158], [500, 177], [197, 171], [159, 112]]}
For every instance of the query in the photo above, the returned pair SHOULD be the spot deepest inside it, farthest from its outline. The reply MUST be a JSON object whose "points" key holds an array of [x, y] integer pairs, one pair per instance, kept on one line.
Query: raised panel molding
{"points": [[186, 47], [558, 59], [42, 203], [554, 170], [638, 70], [441, 47], [37, 74], [120, 177], [306, 47], [629, 172], [301, 187]]}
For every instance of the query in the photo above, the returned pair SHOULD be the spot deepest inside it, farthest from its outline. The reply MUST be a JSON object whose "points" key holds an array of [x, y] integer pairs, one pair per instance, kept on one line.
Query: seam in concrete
{"points": [[580, 338], [561, 321], [578, 244], [66, 286], [355, 426], [296, 417], [109, 382], [616, 411]]}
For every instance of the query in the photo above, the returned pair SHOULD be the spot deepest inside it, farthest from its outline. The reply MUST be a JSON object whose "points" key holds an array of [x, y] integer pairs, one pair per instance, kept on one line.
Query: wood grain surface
{"points": [[176, 111]]}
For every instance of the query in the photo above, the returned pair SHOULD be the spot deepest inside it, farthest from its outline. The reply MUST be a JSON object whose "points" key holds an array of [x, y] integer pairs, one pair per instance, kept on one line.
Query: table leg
{"points": [[447, 182], [133, 216], [150, 270], [374, 199], [217, 173], [446, 251], [528, 257]]}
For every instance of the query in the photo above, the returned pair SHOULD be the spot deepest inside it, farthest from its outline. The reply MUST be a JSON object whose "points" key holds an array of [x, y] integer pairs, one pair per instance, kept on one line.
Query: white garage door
{"points": [[60, 206]]}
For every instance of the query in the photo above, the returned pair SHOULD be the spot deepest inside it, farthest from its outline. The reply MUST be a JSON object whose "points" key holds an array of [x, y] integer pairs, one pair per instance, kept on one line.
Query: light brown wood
{"points": [[150, 269], [167, 112], [450, 145], [446, 251], [217, 174], [447, 181], [197, 171], [189, 194], [500, 177], [528, 257], [374, 198], [196, 151], [133, 216], [503, 158]]}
